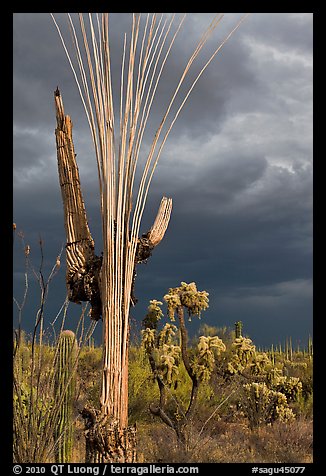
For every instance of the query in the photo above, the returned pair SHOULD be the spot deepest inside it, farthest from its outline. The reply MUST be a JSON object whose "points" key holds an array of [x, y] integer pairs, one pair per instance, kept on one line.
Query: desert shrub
{"points": [[159, 444], [32, 401], [89, 376], [142, 388], [282, 442]]}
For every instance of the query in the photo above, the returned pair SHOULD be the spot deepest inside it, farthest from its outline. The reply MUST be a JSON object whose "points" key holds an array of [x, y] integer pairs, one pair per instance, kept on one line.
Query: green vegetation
{"points": [[213, 398], [225, 426]]}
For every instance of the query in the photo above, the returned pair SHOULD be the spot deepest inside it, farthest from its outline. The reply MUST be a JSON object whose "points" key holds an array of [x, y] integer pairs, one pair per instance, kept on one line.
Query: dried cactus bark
{"points": [[83, 266], [106, 441]]}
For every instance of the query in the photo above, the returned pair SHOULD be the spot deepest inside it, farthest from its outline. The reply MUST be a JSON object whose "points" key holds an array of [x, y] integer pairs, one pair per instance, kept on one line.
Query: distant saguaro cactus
{"points": [[65, 379], [238, 329]]}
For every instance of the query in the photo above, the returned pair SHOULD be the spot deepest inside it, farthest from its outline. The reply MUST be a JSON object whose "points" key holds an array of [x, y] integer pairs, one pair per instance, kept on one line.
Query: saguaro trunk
{"points": [[106, 441], [117, 295]]}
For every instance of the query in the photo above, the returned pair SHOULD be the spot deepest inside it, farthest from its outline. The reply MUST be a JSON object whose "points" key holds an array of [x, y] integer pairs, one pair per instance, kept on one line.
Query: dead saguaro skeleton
{"points": [[83, 265], [107, 281], [83, 279]]}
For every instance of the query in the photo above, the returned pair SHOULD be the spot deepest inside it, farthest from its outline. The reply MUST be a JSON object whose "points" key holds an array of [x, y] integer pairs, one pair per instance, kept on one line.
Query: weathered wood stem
{"points": [[83, 266]]}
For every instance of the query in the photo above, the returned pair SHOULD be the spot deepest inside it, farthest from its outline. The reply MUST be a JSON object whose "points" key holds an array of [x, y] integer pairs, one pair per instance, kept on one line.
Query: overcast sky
{"points": [[238, 166]]}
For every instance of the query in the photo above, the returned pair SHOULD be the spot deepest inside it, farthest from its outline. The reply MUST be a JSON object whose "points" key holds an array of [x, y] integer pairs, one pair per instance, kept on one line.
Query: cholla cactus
{"points": [[203, 363], [284, 412], [273, 375], [165, 355], [210, 343], [154, 314], [188, 296], [291, 387], [172, 350], [243, 348], [169, 361], [148, 339], [262, 405], [234, 366], [166, 335], [261, 364], [173, 301], [242, 353]]}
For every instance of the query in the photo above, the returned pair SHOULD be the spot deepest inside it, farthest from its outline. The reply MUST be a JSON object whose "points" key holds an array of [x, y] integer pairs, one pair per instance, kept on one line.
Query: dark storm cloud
{"points": [[244, 222], [293, 30], [237, 165]]}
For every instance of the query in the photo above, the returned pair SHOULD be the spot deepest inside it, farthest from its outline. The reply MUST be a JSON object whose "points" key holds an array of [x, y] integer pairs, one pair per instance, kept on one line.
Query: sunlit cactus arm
{"points": [[148, 241], [157, 231]]}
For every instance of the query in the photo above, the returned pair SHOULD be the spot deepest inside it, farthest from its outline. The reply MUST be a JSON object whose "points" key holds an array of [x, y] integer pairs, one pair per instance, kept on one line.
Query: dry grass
{"points": [[231, 443], [284, 442]]}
